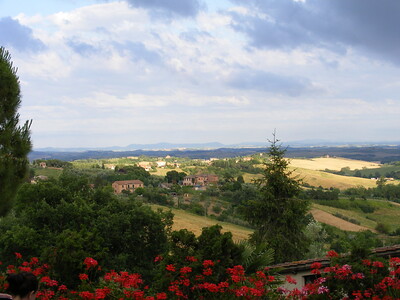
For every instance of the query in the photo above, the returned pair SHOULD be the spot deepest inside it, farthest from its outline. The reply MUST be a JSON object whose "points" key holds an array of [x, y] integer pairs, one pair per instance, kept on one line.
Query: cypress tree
{"points": [[15, 143]]}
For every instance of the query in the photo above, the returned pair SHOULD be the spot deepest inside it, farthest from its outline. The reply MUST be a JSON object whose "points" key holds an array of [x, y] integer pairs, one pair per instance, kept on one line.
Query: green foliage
{"points": [[129, 172], [350, 204], [55, 163], [382, 228], [215, 245], [278, 215], [235, 166], [63, 221], [351, 220], [317, 236], [175, 176], [255, 258], [343, 241], [217, 209], [321, 194], [15, 141], [154, 195], [385, 190]]}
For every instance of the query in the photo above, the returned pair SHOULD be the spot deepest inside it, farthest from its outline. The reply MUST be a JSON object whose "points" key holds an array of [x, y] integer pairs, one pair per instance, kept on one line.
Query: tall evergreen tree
{"points": [[279, 217], [15, 141]]}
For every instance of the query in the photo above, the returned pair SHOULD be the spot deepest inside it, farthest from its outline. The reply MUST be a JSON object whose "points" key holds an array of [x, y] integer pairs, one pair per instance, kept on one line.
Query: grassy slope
{"points": [[330, 219], [194, 223], [51, 173], [386, 212]]}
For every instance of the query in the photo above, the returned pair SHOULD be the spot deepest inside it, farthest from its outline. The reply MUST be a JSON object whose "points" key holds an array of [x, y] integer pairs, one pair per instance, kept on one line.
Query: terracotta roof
{"points": [[128, 181], [295, 266]]}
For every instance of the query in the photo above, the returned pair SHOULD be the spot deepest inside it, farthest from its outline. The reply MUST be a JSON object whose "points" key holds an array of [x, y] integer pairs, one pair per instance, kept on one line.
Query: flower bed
{"points": [[368, 279]]}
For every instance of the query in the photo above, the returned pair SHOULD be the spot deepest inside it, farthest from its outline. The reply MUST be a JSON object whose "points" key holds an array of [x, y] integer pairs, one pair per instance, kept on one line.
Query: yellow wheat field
{"points": [[331, 163]]}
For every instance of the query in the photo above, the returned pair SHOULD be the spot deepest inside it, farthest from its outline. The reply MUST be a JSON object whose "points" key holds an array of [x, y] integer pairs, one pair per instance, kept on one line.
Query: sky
{"points": [[98, 73]]}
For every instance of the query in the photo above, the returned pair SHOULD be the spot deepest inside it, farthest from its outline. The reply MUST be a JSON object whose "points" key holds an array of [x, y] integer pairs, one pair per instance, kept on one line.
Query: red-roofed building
{"points": [[200, 180], [126, 185]]}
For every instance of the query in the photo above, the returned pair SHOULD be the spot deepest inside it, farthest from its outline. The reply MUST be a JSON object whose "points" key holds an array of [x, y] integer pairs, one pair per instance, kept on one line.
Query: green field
{"points": [[385, 170], [51, 173]]}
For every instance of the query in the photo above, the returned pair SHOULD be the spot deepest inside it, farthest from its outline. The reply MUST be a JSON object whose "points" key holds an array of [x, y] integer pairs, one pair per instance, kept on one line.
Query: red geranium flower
{"points": [[90, 263], [170, 268], [83, 277]]}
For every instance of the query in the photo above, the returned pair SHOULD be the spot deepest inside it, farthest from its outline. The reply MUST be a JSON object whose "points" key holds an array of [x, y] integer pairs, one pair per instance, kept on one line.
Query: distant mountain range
{"points": [[377, 152], [216, 145]]}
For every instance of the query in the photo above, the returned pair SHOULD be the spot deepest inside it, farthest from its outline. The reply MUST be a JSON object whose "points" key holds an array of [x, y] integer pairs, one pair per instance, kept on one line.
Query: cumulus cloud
{"points": [[248, 79], [140, 52], [18, 36], [368, 25], [170, 8], [81, 48]]}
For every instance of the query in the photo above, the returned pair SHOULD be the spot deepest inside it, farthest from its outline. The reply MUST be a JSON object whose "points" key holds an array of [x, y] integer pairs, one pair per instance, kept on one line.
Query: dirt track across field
{"points": [[327, 218]]}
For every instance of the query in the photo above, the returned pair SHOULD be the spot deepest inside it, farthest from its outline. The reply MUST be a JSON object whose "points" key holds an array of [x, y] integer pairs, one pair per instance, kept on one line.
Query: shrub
{"points": [[382, 228]]}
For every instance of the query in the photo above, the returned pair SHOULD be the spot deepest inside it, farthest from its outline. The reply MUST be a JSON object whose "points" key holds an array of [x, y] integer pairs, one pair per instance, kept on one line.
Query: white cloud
{"points": [[112, 67]]}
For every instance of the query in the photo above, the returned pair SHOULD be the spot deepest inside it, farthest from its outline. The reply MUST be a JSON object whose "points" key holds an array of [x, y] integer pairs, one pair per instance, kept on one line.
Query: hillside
{"points": [[368, 153], [328, 180], [324, 179], [385, 212], [331, 163], [311, 171], [328, 218], [195, 223]]}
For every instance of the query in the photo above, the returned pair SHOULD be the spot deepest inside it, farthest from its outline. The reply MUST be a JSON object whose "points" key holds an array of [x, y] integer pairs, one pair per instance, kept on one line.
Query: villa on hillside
{"points": [[126, 185], [161, 164], [202, 180], [145, 165]]}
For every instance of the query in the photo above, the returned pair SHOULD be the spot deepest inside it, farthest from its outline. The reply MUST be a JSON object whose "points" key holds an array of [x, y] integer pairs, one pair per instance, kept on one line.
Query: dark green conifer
{"points": [[15, 141], [278, 215]]}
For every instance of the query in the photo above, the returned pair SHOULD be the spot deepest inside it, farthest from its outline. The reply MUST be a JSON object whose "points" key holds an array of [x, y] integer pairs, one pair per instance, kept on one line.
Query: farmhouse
{"points": [[126, 185], [145, 165], [161, 164], [203, 179], [109, 166]]}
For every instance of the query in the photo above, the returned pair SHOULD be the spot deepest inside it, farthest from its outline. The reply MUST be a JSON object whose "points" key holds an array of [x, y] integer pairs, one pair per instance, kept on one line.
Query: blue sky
{"points": [[102, 73]]}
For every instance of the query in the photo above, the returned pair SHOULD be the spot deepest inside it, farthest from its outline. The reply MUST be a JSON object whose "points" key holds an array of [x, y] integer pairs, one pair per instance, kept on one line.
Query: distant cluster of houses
{"points": [[198, 181], [147, 165]]}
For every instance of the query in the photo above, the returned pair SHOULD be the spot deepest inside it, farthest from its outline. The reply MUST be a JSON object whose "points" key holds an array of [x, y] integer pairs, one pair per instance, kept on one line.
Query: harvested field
{"points": [[331, 163], [327, 218], [324, 179], [195, 223], [327, 180]]}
